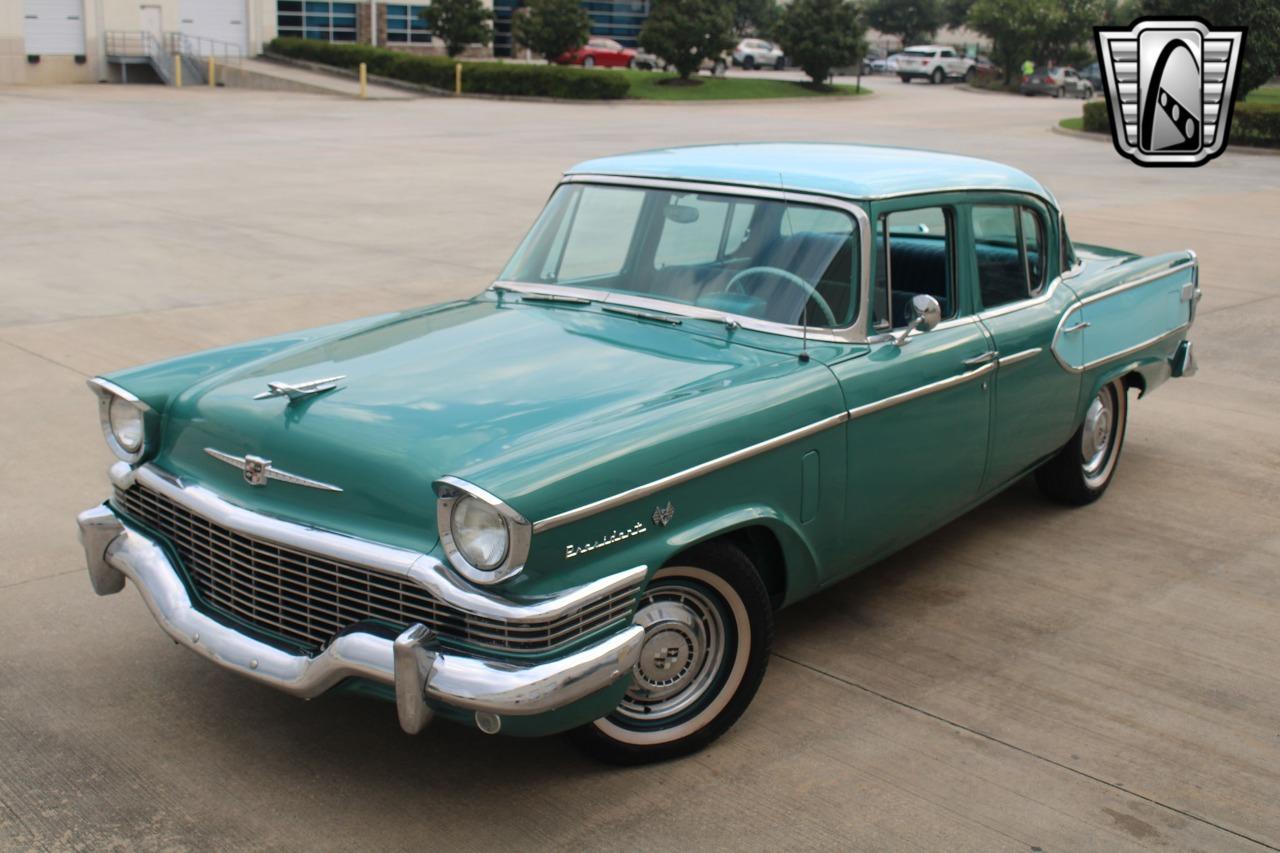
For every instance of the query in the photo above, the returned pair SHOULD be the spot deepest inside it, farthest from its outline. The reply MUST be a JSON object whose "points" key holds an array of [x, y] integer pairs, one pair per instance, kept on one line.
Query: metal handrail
{"points": [[198, 46], [140, 44]]}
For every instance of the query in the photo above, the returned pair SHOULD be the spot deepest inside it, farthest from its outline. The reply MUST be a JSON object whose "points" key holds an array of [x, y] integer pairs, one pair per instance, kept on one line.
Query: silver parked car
{"points": [[1058, 82], [758, 53]]}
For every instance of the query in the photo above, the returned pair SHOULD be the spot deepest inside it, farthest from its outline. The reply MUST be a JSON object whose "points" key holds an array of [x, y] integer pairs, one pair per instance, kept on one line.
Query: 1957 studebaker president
{"points": [[710, 382]]}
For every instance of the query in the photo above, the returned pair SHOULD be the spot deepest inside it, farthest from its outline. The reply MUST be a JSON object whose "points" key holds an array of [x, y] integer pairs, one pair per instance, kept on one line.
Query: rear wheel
{"points": [[749, 62], [708, 631], [1059, 92], [1085, 466], [589, 62], [970, 74], [780, 64], [905, 78], [937, 76]]}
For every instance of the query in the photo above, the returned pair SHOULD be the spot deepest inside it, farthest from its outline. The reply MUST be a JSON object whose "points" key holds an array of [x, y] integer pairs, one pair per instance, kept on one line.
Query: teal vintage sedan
{"points": [[710, 382]]}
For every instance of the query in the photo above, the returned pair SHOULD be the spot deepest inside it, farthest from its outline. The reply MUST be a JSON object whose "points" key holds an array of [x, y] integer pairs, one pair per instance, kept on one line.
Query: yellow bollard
{"points": [[177, 70], [457, 79], [211, 72], [364, 80]]}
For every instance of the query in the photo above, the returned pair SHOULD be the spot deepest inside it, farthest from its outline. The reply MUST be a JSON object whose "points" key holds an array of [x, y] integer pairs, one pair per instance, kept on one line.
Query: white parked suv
{"points": [[933, 62], [758, 53]]}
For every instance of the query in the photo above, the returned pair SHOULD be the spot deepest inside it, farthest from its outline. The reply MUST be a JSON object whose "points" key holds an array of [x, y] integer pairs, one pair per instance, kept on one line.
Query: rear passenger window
{"points": [[1009, 244], [913, 256]]}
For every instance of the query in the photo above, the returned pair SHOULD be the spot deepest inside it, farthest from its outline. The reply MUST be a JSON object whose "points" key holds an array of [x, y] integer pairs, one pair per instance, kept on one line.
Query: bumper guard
{"points": [[413, 663]]}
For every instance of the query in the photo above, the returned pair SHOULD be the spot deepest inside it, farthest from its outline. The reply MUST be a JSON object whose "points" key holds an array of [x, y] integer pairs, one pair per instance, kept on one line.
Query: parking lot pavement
{"points": [[1027, 678]]}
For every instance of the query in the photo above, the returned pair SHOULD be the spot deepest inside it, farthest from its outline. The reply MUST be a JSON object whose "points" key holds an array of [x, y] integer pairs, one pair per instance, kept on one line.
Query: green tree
{"points": [[459, 23], [1261, 60], [913, 21], [821, 35], [1037, 30], [552, 27], [753, 17], [685, 32], [955, 13]]}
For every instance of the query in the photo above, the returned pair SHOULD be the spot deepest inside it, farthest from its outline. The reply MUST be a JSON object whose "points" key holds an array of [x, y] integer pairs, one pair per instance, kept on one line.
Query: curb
{"points": [[1250, 150]]}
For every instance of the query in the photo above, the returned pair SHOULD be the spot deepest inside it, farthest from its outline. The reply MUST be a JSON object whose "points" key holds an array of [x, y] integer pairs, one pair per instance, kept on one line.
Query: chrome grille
{"points": [[309, 598]]}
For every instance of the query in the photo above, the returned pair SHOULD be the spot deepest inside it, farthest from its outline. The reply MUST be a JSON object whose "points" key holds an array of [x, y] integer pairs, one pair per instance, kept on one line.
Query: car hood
{"points": [[546, 407]]}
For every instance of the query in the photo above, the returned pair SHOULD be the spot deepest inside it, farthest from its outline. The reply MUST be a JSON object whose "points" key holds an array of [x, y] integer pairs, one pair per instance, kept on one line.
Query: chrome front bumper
{"points": [[420, 671]]}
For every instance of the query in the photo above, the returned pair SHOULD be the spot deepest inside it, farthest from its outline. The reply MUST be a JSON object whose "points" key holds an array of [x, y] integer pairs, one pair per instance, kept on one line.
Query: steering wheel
{"points": [[789, 278]]}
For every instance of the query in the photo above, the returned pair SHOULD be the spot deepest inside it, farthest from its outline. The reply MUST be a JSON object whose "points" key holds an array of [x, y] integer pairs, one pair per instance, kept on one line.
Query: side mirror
{"points": [[925, 314]]}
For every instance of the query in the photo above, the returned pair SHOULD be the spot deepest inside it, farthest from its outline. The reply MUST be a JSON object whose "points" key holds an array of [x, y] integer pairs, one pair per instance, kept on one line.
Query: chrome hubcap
{"points": [[683, 650], [1095, 438]]}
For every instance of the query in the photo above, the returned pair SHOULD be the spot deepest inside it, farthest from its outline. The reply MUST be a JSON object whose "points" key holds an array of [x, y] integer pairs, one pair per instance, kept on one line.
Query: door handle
{"points": [[1078, 327], [979, 360]]}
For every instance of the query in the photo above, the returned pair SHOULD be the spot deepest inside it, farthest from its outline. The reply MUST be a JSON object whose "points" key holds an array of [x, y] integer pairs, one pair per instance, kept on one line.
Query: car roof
{"points": [[926, 47], [860, 172]]}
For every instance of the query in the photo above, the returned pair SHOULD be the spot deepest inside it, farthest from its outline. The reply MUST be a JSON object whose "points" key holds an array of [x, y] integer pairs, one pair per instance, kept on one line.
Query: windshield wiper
{"points": [[541, 296], [642, 314]]}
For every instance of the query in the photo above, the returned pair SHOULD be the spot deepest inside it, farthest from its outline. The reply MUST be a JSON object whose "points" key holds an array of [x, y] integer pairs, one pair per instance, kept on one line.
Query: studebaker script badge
{"points": [[258, 470], [571, 551]]}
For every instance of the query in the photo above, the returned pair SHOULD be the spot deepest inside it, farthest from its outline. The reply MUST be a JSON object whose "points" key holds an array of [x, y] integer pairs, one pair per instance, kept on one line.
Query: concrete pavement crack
{"points": [[1029, 753], [42, 357]]}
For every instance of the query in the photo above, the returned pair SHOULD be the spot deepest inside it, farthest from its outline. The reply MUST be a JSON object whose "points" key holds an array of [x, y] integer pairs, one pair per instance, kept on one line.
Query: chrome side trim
{"points": [[922, 391], [1098, 362], [621, 498], [427, 571], [1137, 282], [1135, 348], [552, 522], [450, 678], [1039, 299], [853, 333], [1010, 360]]}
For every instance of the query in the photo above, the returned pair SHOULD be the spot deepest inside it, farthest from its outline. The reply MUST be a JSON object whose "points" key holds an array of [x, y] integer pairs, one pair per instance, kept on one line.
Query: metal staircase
{"points": [[165, 54]]}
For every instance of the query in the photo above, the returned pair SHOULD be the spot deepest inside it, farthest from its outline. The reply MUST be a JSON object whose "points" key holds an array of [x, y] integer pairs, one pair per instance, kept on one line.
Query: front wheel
{"points": [[708, 632], [1081, 471], [749, 62], [938, 76], [905, 78], [589, 62], [1059, 92], [780, 64]]}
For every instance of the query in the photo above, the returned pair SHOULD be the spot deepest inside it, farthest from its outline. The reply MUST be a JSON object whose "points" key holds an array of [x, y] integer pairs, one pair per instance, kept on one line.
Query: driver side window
{"points": [[914, 255]]}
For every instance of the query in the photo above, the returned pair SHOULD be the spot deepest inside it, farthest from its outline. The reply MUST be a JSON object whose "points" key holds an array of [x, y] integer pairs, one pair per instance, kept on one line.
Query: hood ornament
{"points": [[258, 470], [299, 390]]}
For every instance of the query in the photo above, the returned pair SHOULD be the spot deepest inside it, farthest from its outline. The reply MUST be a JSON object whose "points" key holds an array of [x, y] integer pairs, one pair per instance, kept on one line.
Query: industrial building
{"points": [[67, 41]]}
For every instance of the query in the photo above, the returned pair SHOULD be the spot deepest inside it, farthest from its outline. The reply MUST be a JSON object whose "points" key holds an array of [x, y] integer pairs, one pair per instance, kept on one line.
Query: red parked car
{"points": [[604, 52]]}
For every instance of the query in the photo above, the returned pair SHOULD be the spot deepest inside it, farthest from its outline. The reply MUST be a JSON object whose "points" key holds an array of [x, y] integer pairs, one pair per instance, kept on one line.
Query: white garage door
{"points": [[221, 20], [53, 27]]}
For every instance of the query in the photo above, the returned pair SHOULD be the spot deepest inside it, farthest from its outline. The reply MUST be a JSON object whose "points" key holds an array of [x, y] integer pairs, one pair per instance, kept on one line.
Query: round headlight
{"points": [[125, 420], [479, 532]]}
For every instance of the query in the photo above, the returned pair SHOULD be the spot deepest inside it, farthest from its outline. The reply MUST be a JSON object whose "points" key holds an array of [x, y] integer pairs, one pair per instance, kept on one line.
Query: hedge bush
{"points": [[1256, 124], [488, 78], [1096, 119]]}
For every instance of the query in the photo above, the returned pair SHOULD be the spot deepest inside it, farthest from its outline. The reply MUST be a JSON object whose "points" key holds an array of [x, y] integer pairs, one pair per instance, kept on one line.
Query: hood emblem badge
{"points": [[299, 390], [258, 470]]}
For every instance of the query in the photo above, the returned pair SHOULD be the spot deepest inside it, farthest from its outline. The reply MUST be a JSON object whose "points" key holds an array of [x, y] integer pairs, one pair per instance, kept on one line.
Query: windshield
{"points": [[769, 260]]}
